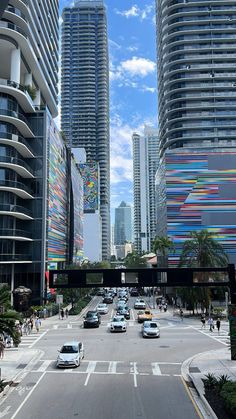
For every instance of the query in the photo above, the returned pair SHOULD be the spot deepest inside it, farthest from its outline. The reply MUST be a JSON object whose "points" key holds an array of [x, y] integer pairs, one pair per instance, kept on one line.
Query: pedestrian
{"points": [[2, 347], [211, 324], [160, 307], [37, 324], [165, 308], [31, 324], [62, 314], [67, 313], [181, 313], [203, 321], [218, 325]]}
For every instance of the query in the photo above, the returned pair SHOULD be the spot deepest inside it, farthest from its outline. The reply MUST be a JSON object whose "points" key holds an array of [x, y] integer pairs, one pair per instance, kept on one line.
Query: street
{"points": [[122, 375]]}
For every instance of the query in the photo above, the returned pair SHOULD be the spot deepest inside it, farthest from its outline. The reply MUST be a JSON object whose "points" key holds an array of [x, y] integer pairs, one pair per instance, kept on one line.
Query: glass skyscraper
{"points": [[123, 224], [197, 73], [85, 93]]}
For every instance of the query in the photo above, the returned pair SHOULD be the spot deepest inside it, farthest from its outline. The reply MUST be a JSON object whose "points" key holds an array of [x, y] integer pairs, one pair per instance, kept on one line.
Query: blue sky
{"points": [[133, 85]]}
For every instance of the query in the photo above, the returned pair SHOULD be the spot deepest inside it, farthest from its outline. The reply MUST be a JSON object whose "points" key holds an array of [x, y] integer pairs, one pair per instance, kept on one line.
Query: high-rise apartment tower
{"points": [[123, 225], [145, 163], [85, 93]]}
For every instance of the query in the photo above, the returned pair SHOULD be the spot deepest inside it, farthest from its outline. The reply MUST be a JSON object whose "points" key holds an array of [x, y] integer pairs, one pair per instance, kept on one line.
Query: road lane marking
{"points": [[44, 365], [210, 335], [5, 412], [55, 326], [69, 326], [28, 395], [40, 337], [90, 369], [112, 367], [134, 372], [192, 399], [156, 369]]}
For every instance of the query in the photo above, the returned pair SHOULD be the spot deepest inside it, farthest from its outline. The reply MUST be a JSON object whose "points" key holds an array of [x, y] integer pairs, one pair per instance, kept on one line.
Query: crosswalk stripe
{"points": [[156, 369], [112, 367], [44, 365]]}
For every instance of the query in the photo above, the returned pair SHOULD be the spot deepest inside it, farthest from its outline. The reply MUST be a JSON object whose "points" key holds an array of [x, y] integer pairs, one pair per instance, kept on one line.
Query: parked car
{"points": [[92, 319], [102, 308], [139, 304], [118, 324], [124, 311], [144, 315], [70, 354], [150, 329]]}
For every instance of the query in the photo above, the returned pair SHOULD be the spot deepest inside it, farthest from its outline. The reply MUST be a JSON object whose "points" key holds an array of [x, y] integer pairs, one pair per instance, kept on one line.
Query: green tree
{"points": [[162, 246], [8, 317], [133, 260], [203, 251]]}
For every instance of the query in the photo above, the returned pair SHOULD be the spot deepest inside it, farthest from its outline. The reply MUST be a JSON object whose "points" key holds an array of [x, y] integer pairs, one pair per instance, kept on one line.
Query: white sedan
{"points": [[70, 354], [102, 308], [118, 324], [150, 329], [139, 304]]}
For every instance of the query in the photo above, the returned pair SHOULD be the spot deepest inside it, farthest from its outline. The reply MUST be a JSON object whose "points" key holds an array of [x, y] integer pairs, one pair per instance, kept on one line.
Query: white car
{"points": [[102, 308], [139, 304], [70, 354], [118, 324], [150, 329]]}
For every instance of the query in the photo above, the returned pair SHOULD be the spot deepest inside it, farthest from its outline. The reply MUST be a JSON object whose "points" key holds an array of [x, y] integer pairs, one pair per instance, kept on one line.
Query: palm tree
{"points": [[161, 246], [7, 317], [203, 251]]}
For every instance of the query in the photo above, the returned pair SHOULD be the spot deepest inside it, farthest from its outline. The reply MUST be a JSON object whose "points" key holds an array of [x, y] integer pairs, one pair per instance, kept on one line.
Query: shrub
{"points": [[210, 381], [2, 385], [222, 380], [228, 394]]}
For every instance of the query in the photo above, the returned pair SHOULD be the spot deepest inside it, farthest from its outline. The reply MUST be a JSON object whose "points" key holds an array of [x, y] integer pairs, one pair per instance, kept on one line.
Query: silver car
{"points": [[70, 354], [150, 329]]}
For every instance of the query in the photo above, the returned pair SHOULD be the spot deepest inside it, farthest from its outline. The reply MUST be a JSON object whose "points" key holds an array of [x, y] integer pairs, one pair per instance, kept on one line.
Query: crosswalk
{"points": [[90, 367], [222, 337], [28, 341]]}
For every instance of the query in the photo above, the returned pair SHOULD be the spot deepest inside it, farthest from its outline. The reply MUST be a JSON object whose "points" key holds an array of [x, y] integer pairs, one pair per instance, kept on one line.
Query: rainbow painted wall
{"points": [[90, 174], [197, 190]]}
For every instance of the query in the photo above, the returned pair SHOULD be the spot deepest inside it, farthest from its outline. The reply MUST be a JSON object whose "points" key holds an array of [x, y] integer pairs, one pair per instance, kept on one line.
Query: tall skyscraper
{"points": [[85, 93], [197, 119], [145, 163], [123, 225], [34, 175]]}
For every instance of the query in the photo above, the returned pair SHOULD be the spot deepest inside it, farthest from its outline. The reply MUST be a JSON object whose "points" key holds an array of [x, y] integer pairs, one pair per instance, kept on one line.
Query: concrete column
{"points": [[15, 65], [28, 79], [37, 100]]}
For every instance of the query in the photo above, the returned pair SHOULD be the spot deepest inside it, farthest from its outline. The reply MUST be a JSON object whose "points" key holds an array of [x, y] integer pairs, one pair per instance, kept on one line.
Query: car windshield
{"points": [[91, 315], [118, 319], [153, 325], [69, 349]]}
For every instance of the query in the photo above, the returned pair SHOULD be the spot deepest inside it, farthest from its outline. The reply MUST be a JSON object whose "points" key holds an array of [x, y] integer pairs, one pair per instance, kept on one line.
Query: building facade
{"points": [[197, 120], [145, 164], [34, 161], [123, 224], [85, 93], [196, 73]]}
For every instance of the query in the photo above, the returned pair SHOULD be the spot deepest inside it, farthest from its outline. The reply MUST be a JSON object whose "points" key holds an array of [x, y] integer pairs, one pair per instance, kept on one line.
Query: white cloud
{"points": [[149, 89], [135, 11], [132, 48], [132, 12], [138, 66], [114, 44]]}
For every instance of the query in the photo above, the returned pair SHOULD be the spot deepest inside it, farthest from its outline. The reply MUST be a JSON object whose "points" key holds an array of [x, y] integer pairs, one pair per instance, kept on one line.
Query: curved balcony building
{"points": [[197, 73], [28, 98]]}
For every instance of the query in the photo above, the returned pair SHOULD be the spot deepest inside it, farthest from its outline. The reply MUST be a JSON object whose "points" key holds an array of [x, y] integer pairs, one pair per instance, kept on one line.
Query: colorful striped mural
{"points": [[197, 190]]}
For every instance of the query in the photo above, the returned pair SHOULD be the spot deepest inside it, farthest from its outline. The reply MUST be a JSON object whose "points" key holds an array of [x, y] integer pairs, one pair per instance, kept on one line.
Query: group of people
{"points": [[210, 323], [162, 305]]}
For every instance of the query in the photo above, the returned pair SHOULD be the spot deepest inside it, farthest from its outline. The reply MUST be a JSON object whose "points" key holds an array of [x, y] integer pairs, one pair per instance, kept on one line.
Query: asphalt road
{"points": [[122, 376]]}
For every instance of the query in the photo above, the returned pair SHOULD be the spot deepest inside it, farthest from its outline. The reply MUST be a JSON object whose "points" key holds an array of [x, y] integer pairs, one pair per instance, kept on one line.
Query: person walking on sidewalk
{"points": [[211, 324], [37, 324], [218, 325], [67, 313], [203, 321], [2, 347], [181, 313], [62, 314]]}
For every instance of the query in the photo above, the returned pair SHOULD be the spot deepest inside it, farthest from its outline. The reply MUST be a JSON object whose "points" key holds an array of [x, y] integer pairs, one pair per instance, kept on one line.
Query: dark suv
{"points": [[92, 319]]}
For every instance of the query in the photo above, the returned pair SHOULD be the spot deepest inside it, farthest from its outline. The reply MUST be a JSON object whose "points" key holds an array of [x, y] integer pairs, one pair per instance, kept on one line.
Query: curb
{"points": [[189, 379], [31, 363]]}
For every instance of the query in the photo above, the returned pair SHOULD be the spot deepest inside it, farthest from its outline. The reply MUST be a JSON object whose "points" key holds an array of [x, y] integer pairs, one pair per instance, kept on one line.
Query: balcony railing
{"points": [[13, 27], [15, 208], [17, 185], [17, 138], [5, 257], [14, 114], [15, 233], [15, 160]]}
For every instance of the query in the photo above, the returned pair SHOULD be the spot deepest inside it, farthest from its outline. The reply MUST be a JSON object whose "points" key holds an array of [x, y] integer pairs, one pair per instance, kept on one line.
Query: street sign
{"points": [[59, 299]]}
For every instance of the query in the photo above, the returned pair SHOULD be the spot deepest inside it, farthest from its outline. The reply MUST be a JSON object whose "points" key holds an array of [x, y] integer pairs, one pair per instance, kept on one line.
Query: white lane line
{"points": [[28, 395], [134, 372], [44, 366], [156, 369], [112, 367], [40, 337], [55, 326], [132, 314], [69, 326], [90, 369]]}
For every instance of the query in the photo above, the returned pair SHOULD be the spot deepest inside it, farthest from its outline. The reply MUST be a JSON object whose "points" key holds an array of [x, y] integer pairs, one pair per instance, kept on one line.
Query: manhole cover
{"points": [[163, 346], [21, 366], [194, 369]]}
